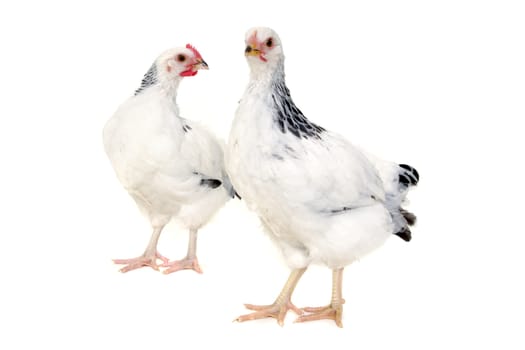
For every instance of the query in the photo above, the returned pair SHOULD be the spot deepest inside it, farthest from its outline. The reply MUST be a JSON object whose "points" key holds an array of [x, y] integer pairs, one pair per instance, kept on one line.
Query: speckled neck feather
{"points": [[287, 116], [150, 78]]}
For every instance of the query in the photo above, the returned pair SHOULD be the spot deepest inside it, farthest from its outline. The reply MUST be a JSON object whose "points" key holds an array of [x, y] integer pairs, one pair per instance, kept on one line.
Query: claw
{"points": [[281, 305], [136, 263], [329, 312], [184, 264], [162, 258], [141, 261], [276, 310]]}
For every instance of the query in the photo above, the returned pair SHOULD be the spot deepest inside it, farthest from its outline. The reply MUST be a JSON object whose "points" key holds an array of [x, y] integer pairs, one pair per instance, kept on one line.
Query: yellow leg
{"points": [[280, 306], [334, 311]]}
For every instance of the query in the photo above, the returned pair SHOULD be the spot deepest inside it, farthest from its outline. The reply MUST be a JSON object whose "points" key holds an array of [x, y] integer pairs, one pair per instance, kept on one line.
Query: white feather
{"points": [[161, 165], [298, 186]]}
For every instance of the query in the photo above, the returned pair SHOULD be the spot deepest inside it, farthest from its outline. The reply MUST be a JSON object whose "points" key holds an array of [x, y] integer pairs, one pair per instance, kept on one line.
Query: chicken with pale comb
{"points": [[320, 199]]}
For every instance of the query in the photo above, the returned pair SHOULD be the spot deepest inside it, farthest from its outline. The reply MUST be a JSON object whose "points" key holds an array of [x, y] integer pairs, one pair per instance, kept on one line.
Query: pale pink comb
{"points": [[197, 53]]}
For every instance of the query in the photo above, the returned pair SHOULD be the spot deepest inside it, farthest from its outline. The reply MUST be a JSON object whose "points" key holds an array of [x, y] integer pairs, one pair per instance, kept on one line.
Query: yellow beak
{"points": [[251, 51], [201, 64]]}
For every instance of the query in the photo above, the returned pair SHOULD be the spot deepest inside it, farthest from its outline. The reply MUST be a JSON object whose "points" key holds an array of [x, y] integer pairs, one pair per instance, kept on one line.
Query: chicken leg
{"points": [[334, 311], [190, 261], [149, 258], [280, 306]]}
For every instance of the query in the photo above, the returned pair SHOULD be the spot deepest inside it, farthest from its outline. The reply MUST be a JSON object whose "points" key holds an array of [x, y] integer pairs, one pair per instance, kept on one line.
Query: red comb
{"points": [[197, 53]]}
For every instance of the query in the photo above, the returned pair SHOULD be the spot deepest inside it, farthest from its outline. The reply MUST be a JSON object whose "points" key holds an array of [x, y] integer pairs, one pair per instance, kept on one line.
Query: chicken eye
{"points": [[181, 58], [269, 42]]}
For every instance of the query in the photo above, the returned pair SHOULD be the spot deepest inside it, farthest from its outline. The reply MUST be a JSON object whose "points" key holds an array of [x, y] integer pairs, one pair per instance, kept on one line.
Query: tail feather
{"points": [[408, 177], [411, 218], [397, 180], [405, 234]]}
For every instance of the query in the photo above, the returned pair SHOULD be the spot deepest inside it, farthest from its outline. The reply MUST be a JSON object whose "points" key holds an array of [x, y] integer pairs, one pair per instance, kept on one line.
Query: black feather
{"points": [[289, 117], [405, 180], [340, 210], [405, 234], [411, 218], [212, 183], [411, 172], [150, 78]]}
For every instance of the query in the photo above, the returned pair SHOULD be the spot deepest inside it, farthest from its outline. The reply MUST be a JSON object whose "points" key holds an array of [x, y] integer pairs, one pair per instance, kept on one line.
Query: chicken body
{"points": [[320, 199], [173, 168]]}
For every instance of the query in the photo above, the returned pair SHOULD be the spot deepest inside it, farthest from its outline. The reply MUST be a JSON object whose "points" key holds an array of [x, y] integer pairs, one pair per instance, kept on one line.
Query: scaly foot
{"points": [[141, 261], [276, 310], [184, 264], [330, 312]]}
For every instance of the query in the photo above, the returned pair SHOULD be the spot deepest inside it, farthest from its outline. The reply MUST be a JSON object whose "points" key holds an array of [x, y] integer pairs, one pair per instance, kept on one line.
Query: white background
{"points": [[439, 85]]}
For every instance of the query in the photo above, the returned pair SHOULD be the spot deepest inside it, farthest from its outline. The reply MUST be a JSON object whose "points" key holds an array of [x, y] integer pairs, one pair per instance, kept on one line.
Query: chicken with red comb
{"points": [[172, 167]]}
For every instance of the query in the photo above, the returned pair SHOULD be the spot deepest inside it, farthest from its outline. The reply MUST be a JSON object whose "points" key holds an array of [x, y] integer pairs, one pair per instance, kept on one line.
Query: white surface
{"points": [[445, 82]]}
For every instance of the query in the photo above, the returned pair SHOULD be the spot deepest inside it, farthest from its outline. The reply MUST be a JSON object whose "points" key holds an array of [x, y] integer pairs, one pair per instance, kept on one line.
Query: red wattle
{"points": [[189, 73]]}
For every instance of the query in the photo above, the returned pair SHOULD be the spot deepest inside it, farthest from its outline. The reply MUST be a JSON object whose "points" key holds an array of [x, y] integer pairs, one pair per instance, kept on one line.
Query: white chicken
{"points": [[319, 198], [171, 167]]}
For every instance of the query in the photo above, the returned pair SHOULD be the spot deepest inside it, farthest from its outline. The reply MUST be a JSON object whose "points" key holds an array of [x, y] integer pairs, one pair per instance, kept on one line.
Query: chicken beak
{"points": [[201, 64], [251, 51]]}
